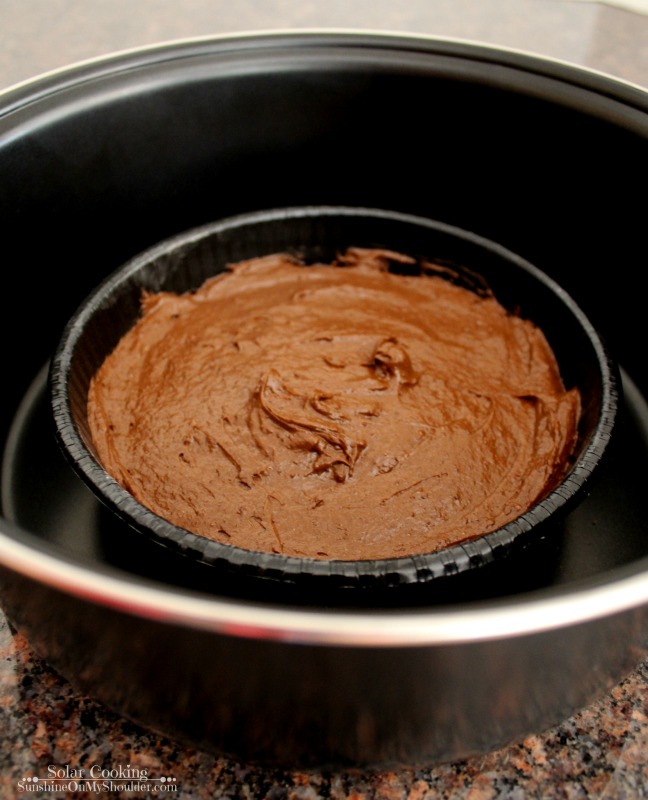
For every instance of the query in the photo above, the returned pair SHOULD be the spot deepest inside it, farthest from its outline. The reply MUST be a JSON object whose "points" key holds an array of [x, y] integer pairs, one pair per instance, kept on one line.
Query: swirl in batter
{"points": [[333, 411]]}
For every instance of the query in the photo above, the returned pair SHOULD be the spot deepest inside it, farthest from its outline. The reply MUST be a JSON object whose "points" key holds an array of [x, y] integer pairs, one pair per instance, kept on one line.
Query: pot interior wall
{"points": [[95, 172]]}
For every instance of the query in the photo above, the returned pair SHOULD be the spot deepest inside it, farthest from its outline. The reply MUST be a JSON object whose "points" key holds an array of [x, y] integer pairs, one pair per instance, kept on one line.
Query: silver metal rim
{"points": [[514, 617]]}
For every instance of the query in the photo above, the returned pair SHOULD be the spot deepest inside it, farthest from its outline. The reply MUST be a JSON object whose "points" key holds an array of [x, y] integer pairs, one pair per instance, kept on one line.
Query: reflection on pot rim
{"points": [[626, 590]]}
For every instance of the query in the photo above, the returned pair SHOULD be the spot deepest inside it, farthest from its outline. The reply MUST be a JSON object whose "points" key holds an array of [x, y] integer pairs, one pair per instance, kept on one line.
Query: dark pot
{"points": [[101, 161]]}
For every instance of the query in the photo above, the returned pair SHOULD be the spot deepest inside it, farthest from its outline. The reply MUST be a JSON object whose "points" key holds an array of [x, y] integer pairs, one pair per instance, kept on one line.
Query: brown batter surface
{"points": [[333, 411]]}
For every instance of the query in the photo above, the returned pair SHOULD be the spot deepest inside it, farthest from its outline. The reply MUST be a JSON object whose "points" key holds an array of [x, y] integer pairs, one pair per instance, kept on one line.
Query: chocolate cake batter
{"points": [[337, 411]]}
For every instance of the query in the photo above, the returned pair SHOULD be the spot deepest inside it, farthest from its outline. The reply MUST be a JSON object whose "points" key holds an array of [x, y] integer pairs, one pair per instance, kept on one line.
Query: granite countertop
{"points": [[600, 752]]}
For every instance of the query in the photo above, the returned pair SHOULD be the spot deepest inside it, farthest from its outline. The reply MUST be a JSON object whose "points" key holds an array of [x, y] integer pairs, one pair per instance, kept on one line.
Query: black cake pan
{"points": [[319, 234]]}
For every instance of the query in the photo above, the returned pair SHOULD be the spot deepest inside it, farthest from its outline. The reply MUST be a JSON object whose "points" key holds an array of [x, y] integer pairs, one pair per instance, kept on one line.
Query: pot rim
{"points": [[59, 78], [503, 618]]}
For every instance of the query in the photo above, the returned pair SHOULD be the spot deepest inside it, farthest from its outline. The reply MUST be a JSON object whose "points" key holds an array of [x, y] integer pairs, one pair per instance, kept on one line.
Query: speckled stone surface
{"points": [[48, 730]]}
